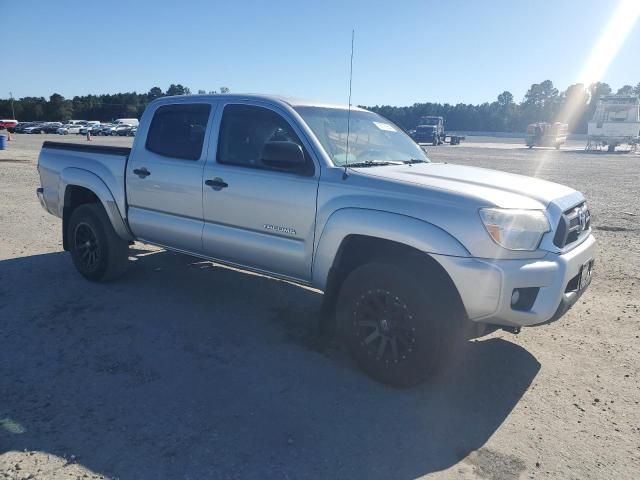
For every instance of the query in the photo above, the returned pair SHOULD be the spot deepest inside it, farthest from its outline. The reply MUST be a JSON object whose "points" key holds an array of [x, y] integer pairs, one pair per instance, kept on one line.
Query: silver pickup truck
{"points": [[411, 255]]}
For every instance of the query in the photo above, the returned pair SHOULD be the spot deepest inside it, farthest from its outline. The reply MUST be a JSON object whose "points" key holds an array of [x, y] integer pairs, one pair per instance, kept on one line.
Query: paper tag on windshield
{"points": [[384, 126]]}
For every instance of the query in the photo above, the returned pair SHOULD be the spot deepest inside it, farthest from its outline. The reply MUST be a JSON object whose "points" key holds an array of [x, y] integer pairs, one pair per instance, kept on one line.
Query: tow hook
{"points": [[514, 330]]}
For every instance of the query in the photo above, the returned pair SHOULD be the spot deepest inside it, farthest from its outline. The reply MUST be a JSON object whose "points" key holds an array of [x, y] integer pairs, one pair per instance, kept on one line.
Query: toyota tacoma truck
{"points": [[411, 255]]}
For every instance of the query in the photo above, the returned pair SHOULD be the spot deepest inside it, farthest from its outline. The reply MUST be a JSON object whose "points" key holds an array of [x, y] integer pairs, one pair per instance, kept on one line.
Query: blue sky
{"points": [[405, 51]]}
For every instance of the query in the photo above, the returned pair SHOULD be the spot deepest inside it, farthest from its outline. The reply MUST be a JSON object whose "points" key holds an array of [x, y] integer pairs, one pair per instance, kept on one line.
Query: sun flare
{"points": [[610, 41]]}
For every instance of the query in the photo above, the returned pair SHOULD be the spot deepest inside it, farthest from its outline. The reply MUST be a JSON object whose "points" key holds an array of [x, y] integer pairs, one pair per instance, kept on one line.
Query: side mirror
{"points": [[284, 155]]}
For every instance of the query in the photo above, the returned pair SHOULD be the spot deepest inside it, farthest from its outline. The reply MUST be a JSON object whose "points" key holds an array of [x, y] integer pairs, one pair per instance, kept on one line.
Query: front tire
{"points": [[97, 251], [396, 322]]}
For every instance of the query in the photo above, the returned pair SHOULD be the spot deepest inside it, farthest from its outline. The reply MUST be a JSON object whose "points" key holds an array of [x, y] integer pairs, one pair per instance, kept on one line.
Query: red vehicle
{"points": [[8, 124]]}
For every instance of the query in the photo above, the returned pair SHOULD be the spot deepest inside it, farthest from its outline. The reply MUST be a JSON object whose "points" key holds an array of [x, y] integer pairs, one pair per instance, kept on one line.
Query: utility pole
{"points": [[12, 110]]}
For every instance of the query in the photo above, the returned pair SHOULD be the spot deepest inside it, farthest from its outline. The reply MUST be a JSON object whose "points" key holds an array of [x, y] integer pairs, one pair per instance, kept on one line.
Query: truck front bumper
{"points": [[551, 285]]}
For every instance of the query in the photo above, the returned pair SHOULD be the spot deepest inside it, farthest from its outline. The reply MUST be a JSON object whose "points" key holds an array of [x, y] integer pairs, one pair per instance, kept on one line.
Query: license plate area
{"points": [[586, 274]]}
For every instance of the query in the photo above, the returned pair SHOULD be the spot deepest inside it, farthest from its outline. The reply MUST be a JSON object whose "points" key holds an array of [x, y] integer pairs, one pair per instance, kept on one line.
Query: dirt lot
{"points": [[184, 369]]}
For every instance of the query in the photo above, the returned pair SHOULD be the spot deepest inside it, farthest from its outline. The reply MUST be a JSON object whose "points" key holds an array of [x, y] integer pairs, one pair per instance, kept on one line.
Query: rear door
{"points": [[254, 215], [164, 177]]}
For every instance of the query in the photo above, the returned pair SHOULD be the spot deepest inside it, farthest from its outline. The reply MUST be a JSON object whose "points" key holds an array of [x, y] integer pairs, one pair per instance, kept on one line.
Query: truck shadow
{"points": [[183, 369]]}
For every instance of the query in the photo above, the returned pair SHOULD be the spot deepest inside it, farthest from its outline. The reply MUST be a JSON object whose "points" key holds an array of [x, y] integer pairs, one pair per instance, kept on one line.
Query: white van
{"points": [[126, 121], [76, 122]]}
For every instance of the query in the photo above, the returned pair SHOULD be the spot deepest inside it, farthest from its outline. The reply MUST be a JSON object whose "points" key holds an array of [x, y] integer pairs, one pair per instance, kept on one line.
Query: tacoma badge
{"points": [[276, 228]]}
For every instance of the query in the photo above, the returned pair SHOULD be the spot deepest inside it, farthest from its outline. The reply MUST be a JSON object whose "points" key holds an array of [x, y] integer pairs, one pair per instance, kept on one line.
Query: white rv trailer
{"points": [[616, 121]]}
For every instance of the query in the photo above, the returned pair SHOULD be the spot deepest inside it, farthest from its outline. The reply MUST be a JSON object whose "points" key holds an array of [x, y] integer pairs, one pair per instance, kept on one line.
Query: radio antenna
{"points": [[346, 160]]}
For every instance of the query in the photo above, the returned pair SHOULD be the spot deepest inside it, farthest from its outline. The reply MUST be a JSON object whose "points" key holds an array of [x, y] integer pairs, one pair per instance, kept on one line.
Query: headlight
{"points": [[515, 229]]}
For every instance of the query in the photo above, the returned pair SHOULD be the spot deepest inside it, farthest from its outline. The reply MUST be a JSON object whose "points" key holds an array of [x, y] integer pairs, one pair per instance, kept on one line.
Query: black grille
{"points": [[572, 225]]}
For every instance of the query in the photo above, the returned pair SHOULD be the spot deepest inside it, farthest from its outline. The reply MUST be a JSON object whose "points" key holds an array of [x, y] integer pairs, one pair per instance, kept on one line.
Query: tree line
{"points": [[104, 107], [542, 103]]}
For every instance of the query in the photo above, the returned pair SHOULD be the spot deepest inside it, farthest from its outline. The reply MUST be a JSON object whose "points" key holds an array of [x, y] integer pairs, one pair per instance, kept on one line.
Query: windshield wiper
{"points": [[413, 160], [371, 163]]}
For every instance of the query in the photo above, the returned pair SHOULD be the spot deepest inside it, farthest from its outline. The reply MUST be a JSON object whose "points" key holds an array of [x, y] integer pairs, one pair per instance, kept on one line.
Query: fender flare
{"points": [[72, 176], [410, 231]]}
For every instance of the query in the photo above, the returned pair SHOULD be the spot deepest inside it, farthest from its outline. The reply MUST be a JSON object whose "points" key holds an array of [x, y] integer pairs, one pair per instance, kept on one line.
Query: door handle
{"points": [[217, 183], [142, 172]]}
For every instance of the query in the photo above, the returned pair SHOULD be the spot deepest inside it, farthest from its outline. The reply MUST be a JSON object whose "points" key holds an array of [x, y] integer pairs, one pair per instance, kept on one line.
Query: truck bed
{"points": [[60, 163]]}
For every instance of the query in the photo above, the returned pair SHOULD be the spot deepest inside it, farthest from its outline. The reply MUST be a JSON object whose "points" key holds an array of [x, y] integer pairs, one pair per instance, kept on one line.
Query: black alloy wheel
{"points": [[385, 326], [87, 246]]}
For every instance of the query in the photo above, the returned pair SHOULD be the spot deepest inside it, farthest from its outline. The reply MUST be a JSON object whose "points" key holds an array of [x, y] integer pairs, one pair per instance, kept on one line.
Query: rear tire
{"points": [[396, 322], [97, 251]]}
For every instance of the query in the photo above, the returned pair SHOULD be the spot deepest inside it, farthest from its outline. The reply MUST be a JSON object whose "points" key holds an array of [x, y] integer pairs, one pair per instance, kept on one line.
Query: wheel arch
{"points": [[78, 187], [353, 236]]}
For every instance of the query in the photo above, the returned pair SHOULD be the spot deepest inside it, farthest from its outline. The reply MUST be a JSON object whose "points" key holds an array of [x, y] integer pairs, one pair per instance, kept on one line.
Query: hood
{"points": [[490, 187]]}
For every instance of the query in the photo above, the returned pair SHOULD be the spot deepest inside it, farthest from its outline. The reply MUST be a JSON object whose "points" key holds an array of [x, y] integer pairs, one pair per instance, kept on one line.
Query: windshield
{"points": [[372, 138]]}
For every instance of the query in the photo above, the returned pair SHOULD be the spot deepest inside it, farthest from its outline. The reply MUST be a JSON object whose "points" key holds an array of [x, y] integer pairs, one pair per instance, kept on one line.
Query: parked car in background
{"points": [[8, 124], [123, 124], [109, 129], [90, 127], [77, 122], [35, 128], [123, 130], [106, 129], [127, 121], [69, 128], [50, 127], [133, 131], [95, 129], [22, 126]]}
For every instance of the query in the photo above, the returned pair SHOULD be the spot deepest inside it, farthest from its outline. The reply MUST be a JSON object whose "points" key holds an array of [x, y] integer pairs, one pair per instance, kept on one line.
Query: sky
{"points": [[405, 51]]}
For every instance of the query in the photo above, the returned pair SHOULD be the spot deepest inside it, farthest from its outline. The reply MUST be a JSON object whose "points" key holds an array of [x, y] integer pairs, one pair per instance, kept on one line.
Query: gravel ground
{"points": [[184, 369]]}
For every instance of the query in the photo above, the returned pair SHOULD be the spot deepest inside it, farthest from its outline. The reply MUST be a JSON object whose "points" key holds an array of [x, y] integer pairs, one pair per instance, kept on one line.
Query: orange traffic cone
{"points": [[88, 136]]}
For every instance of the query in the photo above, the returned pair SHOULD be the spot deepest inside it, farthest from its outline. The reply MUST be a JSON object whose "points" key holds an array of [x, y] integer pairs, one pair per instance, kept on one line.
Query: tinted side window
{"points": [[245, 130], [177, 131]]}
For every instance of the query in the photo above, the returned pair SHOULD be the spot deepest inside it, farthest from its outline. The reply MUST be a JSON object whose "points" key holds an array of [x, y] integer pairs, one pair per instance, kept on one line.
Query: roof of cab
{"points": [[291, 101]]}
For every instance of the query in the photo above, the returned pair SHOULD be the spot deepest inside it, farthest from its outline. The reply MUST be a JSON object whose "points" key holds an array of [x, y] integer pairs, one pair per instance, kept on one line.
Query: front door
{"points": [[255, 215]]}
